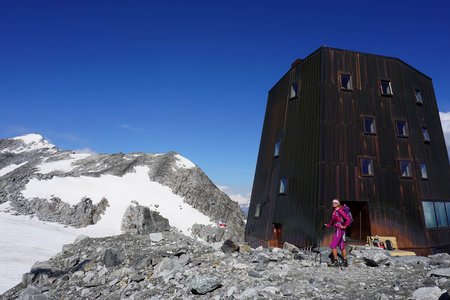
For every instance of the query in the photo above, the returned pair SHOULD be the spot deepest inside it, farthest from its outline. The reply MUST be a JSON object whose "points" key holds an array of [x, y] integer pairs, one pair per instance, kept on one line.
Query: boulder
{"points": [[290, 247], [427, 293], [32, 293], [140, 219], [229, 246], [445, 272], [201, 285]]}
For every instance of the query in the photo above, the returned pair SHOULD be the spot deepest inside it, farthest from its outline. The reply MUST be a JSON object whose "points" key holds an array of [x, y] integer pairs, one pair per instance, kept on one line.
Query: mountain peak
{"points": [[27, 142]]}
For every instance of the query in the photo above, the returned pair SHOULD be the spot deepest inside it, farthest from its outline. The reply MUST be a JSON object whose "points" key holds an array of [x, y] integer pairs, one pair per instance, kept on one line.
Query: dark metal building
{"points": [[359, 127]]}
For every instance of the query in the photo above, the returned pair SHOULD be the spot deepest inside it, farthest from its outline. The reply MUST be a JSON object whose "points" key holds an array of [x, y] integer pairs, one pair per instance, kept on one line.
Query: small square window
{"points": [[367, 167], [346, 82], [402, 128], [294, 90], [258, 210], [419, 99], [386, 88], [276, 151], [423, 171], [369, 125], [426, 136], [283, 186], [405, 169]]}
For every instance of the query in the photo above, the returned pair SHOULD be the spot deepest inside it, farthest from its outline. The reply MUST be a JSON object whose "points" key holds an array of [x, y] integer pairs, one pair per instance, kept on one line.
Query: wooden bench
{"points": [[396, 251]]}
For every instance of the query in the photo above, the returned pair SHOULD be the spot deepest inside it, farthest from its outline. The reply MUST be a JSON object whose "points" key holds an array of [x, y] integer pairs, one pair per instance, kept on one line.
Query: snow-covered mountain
{"points": [[89, 193]]}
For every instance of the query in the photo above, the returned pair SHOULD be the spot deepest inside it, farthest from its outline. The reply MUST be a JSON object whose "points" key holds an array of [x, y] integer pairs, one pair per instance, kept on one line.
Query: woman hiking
{"points": [[339, 220]]}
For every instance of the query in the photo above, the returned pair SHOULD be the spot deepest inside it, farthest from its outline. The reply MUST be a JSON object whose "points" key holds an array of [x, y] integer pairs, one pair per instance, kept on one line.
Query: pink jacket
{"points": [[338, 217]]}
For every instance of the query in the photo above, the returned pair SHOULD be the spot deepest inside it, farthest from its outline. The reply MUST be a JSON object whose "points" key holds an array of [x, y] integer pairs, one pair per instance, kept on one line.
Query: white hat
{"points": [[336, 201]]}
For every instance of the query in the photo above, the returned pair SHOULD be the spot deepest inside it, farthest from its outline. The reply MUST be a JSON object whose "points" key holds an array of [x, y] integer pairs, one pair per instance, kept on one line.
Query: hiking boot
{"points": [[334, 264], [345, 263]]}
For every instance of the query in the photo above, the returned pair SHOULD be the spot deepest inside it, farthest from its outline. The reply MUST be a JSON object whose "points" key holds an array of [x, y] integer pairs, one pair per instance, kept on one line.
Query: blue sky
{"points": [[156, 76]]}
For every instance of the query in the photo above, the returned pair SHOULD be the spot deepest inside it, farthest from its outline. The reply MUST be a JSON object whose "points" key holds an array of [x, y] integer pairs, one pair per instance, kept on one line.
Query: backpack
{"points": [[348, 212], [389, 245]]}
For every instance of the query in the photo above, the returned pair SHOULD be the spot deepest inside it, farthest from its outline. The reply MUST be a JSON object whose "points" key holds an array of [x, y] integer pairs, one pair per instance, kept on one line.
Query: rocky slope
{"points": [[30, 160], [169, 265]]}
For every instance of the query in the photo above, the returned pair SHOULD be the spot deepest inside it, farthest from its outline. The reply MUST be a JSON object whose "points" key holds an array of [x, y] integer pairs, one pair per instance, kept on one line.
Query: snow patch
{"points": [[10, 168], [119, 191], [183, 162], [25, 241], [65, 165], [31, 142]]}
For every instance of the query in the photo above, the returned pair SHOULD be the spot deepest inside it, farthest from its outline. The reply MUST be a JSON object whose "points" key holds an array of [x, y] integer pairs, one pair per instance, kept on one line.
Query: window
{"points": [[405, 168], [426, 136], [418, 97], [294, 90], [283, 187], [402, 129], [276, 151], [430, 216], [441, 215], [369, 125], [386, 88], [423, 171], [436, 214], [258, 210], [366, 166], [447, 208], [346, 82]]}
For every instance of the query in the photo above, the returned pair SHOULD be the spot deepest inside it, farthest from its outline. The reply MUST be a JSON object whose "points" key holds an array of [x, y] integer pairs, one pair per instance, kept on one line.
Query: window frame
{"points": [[342, 87], [435, 213], [360, 162], [283, 183], [411, 173], [421, 171], [276, 147], [364, 117], [257, 214], [397, 129], [391, 94], [432, 211], [419, 100], [441, 214], [425, 135], [297, 90]]}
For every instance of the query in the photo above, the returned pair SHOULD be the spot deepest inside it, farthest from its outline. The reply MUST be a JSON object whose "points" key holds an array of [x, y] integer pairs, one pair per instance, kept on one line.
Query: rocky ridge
{"points": [[29, 157], [169, 265]]}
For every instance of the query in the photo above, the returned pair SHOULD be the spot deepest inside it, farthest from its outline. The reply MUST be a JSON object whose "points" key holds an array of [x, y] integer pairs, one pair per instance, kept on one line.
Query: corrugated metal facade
{"points": [[322, 144]]}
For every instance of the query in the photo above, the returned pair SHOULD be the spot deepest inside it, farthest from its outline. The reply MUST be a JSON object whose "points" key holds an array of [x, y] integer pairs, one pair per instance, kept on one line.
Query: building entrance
{"points": [[360, 228]]}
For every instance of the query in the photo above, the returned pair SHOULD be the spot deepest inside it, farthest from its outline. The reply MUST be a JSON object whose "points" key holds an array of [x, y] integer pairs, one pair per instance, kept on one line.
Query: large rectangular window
{"points": [[367, 166], [441, 215], [346, 82], [402, 128], [430, 216], [386, 88], [369, 125], [436, 214], [405, 168], [447, 208]]}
